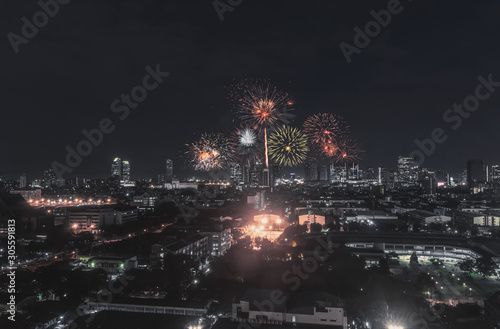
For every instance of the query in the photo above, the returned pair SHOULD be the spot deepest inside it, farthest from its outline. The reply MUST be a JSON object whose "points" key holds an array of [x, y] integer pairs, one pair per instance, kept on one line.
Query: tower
{"points": [[116, 168], [169, 170]]}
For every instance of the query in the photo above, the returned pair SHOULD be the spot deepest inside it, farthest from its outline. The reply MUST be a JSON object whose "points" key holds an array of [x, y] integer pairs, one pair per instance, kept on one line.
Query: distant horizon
{"points": [[189, 173]]}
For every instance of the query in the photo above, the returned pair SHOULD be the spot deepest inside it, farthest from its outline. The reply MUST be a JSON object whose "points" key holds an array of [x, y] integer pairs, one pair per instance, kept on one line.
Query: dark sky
{"points": [[397, 89]]}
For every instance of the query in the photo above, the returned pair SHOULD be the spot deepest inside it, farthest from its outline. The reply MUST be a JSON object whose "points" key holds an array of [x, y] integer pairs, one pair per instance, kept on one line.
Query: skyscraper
{"points": [[323, 173], [49, 177], [476, 173], [116, 168], [407, 170], [495, 173], [23, 181], [236, 172], [310, 171], [125, 171], [169, 171]]}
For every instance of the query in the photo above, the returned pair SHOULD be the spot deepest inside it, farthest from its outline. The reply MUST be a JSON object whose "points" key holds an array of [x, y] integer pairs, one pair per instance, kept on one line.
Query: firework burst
{"points": [[324, 127], [264, 107], [349, 150], [237, 88], [211, 152], [324, 131], [288, 146], [247, 145]]}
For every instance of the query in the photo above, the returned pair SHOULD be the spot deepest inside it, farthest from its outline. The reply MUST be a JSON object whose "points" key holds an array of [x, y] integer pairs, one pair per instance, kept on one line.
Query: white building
{"points": [[93, 219], [306, 308], [219, 241]]}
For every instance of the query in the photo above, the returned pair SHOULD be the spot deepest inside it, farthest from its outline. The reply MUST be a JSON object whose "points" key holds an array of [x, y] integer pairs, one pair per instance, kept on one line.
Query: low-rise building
{"points": [[93, 219], [305, 308], [427, 217], [195, 245], [470, 218], [29, 195], [113, 264]]}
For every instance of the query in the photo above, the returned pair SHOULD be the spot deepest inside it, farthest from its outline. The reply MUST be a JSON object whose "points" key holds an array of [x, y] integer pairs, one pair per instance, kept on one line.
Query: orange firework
{"points": [[349, 150], [325, 127], [210, 152]]}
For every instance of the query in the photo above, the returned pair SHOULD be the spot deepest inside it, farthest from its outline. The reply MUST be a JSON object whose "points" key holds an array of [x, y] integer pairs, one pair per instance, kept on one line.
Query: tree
{"points": [[316, 227], [167, 209], [353, 226], [245, 243], [485, 266], [383, 266], [425, 283], [466, 265]]}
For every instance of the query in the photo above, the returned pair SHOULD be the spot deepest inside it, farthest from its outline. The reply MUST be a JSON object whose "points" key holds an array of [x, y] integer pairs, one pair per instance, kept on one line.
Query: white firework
{"points": [[248, 137]]}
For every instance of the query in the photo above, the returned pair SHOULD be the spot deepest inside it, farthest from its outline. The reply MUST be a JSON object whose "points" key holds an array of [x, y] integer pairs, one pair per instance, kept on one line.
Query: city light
{"points": [[395, 326]]}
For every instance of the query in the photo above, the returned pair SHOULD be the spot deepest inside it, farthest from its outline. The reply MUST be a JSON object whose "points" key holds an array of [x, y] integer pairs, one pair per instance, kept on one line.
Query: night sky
{"points": [[66, 77]]}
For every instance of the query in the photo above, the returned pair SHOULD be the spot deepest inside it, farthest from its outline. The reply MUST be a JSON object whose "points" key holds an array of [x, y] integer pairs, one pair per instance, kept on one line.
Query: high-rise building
{"points": [[387, 177], [256, 174], [23, 181], [353, 172], [495, 173], [49, 178], [310, 171], [120, 170], [236, 172], [462, 177], [276, 174], [371, 174], [428, 182], [125, 171], [407, 170], [116, 168], [323, 173], [169, 170], [476, 173], [337, 173], [246, 173]]}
